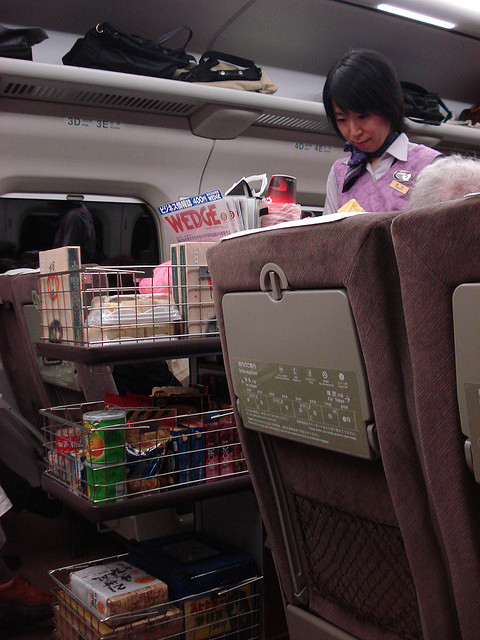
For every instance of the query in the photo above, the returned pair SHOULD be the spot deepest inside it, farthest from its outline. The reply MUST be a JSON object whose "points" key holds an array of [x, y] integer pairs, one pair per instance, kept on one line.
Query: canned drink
{"points": [[282, 190], [68, 439], [105, 436]]}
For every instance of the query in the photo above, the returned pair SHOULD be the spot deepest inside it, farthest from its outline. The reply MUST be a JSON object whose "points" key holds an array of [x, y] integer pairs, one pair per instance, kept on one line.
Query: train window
{"points": [[144, 249], [38, 229], [123, 227]]}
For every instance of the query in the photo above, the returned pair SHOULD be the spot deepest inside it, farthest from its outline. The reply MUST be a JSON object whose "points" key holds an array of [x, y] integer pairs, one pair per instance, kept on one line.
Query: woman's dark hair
{"points": [[365, 82]]}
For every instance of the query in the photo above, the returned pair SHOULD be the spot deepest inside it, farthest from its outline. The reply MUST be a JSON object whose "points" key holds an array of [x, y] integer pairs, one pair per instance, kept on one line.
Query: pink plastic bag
{"points": [[281, 212], [161, 283]]}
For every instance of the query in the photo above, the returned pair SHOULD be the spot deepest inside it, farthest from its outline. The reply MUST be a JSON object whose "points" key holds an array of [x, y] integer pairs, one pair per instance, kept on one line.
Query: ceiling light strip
{"points": [[413, 15]]}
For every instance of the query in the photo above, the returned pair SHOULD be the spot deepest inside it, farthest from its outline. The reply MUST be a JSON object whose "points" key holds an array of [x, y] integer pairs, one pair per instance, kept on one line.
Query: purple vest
{"points": [[392, 190]]}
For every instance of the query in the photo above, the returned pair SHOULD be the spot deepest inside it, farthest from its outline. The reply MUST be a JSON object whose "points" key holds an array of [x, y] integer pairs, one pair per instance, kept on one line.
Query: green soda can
{"points": [[105, 436]]}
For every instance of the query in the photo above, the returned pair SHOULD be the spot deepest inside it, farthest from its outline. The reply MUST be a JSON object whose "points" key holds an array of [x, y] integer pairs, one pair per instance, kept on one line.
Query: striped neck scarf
{"points": [[357, 163]]}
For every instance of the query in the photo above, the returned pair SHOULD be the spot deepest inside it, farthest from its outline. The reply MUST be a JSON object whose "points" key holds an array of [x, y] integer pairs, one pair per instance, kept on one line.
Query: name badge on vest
{"points": [[398, 186], [400, 178]]}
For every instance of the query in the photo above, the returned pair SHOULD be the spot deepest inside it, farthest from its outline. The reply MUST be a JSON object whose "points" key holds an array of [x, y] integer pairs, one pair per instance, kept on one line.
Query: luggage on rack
{"points": [[108, 47], [18, 43], [422, 105], [225, 70]]}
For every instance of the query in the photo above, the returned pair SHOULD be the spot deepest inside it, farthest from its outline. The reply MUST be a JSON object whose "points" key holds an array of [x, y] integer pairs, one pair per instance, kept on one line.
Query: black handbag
{"points": [[210, 69], [107, 47], [225, 70], [18, 43], [422, 105], [472, 114]]}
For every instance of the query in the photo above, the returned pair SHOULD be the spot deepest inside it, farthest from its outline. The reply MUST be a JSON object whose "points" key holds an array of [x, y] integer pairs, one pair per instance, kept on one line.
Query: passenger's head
{"points": [[447, 178], [364, 82]]}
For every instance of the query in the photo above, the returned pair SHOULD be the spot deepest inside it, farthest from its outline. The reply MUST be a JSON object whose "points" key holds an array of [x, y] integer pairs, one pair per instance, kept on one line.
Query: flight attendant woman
{"points": [[364, 103]]}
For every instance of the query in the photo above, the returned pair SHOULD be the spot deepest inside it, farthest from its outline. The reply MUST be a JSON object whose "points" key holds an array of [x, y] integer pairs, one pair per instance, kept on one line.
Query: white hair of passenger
{"points": [[448, 178]]}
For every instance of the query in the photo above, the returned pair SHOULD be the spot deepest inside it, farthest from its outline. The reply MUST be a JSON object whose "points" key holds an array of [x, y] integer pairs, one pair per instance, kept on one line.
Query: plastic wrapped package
{"points": [[147, 465], [126, 318]]}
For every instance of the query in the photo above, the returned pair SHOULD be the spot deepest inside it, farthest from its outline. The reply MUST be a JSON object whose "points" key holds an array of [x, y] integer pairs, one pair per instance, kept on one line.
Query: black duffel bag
{"points": [[422, 105], [107, 47], [18, 43]]}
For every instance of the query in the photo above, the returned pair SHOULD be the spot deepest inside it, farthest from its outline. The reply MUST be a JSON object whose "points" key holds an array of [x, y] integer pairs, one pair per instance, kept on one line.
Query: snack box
{"points": [[191, 563], [72, 621], [61, 295], [233, 614], [191, 284], [117, 587]]}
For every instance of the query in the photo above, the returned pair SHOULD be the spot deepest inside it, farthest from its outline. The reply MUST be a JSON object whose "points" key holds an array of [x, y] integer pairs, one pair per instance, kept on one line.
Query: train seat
{"points": [[16, 350], [37, 384], [317, 363], [438, 256]]}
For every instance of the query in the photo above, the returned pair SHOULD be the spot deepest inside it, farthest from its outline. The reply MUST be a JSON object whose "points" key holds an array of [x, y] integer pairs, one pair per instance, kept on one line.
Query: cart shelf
{"points": [[145, 503], [117, 353]]}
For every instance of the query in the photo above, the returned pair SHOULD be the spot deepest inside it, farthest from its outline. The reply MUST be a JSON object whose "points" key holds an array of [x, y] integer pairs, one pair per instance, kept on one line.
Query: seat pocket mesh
{"points": [[359, 564]]}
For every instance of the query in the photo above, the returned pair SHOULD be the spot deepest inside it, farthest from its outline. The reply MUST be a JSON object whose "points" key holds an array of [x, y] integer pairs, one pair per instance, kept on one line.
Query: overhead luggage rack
{"points": [[48, 83], [44, 84]]}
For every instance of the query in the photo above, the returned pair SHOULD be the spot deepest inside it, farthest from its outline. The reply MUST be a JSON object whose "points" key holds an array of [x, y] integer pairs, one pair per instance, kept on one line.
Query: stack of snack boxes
{"points": [[116, 600], [187, 586], [191, 284]]}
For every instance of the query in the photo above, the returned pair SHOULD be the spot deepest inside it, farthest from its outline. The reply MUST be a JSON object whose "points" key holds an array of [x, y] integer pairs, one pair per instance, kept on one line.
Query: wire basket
{"points": [[233, 612], [145, 451], [98, 306]]}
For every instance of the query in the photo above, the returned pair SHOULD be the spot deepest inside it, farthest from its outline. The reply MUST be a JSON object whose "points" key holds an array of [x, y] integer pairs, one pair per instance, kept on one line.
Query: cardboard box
{"points": [[116, 587], [73, 621], [232, 614], [191, 284], [61, 295]]}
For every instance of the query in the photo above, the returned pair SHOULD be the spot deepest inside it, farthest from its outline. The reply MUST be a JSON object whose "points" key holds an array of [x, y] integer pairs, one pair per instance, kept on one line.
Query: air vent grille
{"points": [[293, 122], [70, 95]]}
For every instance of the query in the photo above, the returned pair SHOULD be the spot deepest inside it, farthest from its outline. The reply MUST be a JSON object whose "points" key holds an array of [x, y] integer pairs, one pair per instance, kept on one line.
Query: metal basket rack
{"points": [[101, 306], [233, 612], [155, 452]]}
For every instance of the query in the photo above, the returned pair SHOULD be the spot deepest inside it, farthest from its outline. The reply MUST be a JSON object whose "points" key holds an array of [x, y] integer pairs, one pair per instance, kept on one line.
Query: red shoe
{"points": [[22, 598]]}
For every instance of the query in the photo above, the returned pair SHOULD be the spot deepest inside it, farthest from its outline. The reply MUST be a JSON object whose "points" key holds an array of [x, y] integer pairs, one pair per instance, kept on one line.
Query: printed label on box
{"points": [[61, 295]]}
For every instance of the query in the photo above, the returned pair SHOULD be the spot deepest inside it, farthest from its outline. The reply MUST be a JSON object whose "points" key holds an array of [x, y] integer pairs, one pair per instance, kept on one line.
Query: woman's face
{"points": [[365, 131]]}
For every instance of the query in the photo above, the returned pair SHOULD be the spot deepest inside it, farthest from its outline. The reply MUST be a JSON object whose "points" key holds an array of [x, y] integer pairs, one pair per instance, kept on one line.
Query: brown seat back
{"points": [[437, 250], [361, 557]]}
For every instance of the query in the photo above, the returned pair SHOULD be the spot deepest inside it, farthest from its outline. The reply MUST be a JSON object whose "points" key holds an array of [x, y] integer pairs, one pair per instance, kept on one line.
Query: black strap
{"points": [[444, 106], [171, 34], [226, 57], [111, 30]]}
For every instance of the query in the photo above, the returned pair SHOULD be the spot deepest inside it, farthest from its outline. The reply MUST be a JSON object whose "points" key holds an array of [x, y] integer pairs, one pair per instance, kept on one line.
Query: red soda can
{"points": [[282, 189]]}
